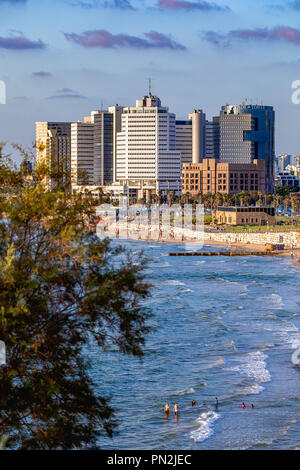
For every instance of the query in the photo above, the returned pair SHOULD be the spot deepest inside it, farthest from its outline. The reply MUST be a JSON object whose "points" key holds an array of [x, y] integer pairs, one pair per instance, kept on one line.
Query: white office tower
{"points": [[283, 161], [198, 130], [190, 137], [82, 153], [296, 161], [93, 147], [147, 160]]}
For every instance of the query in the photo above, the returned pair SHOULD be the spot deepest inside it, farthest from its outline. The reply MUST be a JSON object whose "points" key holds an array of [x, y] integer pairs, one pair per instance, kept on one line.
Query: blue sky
{"points": [[60, 59]]}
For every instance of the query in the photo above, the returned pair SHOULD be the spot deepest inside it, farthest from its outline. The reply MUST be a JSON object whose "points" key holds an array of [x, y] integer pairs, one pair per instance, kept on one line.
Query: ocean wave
{"points": [[204, 422], [186, 391], [253, 366], [273, 300], [295, 357], [282, 433], [254, 389], [227, 281], [286, 332], [162, 265], [230, 344], [217, 363], [174, 282]]}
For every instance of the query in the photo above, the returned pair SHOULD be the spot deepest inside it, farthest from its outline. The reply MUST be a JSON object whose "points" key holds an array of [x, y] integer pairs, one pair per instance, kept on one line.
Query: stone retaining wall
{"points": [[289, 239]]}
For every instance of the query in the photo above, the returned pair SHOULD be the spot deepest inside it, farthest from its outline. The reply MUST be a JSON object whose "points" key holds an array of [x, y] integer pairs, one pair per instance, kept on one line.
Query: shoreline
{"points": [[231, 246]]}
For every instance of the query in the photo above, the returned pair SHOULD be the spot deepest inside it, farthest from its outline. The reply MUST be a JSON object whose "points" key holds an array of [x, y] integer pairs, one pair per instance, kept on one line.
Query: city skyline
{"points": [[61, 59]]}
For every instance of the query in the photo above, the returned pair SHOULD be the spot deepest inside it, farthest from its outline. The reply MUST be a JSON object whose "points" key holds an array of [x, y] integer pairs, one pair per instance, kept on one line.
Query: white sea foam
{"points": [[174, 282], [217, 363], [227, 281], [241, 286], [253, 365], [162, 265], [253, 389], [230, 345], [204, 422], [186, 391], [286, 332], [296, 357], [273, 300]]}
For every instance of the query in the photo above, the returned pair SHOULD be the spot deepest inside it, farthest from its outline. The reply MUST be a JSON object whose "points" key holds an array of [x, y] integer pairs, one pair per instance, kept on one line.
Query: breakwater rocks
{"points": [[288, 239], [225, 253]]}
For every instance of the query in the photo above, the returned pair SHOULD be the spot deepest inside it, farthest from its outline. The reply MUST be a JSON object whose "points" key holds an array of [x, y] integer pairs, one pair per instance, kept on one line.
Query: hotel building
{"points": [[212, 176]]}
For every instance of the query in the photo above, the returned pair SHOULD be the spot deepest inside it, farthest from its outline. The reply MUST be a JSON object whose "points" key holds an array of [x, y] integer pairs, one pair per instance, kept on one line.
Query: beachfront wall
{"points": [[289, 239]]}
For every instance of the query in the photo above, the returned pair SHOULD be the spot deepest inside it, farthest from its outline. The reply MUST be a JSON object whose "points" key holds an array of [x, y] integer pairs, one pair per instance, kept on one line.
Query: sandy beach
{"points": [[287, 252]]}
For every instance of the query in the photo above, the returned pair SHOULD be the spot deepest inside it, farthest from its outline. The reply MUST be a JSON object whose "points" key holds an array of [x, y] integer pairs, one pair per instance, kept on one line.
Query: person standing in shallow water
{"points": [[243, 405], [216, 402], [193, 403], [167, 409], [176, 409]]}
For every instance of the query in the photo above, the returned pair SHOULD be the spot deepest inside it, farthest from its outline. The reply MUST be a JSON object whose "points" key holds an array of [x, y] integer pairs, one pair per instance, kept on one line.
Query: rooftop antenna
{"points": [[150, 84]]}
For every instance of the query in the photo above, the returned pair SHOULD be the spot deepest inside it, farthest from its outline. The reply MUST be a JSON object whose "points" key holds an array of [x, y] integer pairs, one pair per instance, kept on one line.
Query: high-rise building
{"points": [[247, 133], [212, 138], [147, 159], [82, 153], [283, 161], [53, 146], [184, 140], [198, 135], [116, 112], [190, 137], [94, 147], [103, 147], [296, 161]]}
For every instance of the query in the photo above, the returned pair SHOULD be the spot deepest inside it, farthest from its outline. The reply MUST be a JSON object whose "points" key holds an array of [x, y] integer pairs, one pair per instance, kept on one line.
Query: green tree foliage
{"points": [[284, 191], [60, 287]]}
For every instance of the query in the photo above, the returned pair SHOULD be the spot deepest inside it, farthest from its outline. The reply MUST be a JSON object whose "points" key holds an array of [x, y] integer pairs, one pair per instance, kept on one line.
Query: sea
{"points": [[223, 327]]}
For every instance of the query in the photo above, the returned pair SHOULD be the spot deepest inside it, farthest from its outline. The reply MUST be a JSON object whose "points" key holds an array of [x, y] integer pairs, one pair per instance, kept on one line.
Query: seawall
{"points": [[289, 239]]}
